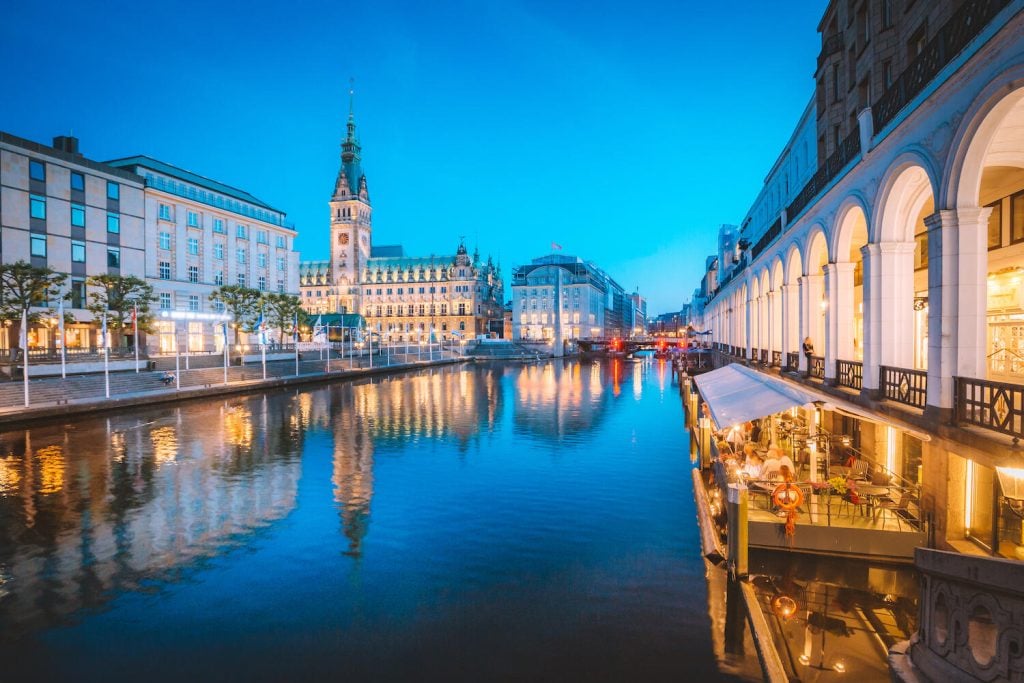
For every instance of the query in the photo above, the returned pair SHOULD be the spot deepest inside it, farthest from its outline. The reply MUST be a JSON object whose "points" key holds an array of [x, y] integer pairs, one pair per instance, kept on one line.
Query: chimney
{"points": [[66, 143]]}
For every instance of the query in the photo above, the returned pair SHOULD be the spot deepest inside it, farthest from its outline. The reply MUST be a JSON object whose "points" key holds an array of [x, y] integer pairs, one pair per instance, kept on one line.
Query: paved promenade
{"points": [[53, 397]]}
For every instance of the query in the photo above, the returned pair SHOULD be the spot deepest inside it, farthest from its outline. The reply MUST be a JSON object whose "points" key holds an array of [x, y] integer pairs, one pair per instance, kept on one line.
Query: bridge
{"points": [[630, 346]]}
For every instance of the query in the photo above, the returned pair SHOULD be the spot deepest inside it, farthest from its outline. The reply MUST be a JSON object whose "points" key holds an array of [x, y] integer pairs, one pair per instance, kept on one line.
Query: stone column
{"points": [[838, 316], [872, 330], [790, 319], [803, 328], [957, 301], [773, 326], [812, 322], [748, 313], [896, 304]]}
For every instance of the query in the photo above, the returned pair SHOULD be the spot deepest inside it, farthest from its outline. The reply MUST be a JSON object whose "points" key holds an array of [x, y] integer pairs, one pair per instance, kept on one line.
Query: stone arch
{"points": [[850, 230], [845, 283], [908, 185], [793, 264], [962, 176], [792, 270], [815, 252], [985, 170]]}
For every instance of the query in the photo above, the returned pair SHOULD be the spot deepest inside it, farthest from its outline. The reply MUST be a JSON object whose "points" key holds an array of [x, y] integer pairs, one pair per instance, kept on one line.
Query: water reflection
{"points": [[101, 505], [382, 528]]}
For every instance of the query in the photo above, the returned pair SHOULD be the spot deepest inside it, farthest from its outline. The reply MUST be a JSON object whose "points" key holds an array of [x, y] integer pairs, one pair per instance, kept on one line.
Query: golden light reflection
{"points": [[165, 444], [51, 465], [10, 477]]}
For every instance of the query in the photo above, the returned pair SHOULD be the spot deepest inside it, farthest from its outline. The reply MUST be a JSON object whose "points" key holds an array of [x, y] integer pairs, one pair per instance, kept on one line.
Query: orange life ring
{"points": [[788, 496]]}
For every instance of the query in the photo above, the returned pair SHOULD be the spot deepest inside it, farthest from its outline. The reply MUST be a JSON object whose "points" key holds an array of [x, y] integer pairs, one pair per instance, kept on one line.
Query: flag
{"points": [[318, 330], [295, 328], [23, 337], [556, 246], [225, 325]]}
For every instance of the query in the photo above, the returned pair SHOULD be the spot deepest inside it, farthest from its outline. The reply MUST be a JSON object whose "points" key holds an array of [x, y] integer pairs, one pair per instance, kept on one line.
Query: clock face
{"points": [[343, 238]]}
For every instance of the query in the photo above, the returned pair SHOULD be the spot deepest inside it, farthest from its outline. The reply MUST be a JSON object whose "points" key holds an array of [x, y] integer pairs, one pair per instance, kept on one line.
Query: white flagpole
{"points": [[177, 359], [106, 356], [63, 339], [24, 352], [328, 344], [225, 323], [295, 340], [135, 333]]}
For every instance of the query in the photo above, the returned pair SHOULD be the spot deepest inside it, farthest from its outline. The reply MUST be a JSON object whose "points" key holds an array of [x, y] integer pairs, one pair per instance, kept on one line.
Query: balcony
{"points": [[997, 406], [850, 374], [817, 367], [909, 387]]}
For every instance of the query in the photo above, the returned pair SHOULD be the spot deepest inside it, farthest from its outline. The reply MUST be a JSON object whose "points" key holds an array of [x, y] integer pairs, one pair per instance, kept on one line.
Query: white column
{"points": [[804, 326], [748, 313], [896, 304], [773, 326], [872, 329], [838, 315], [957, 299]]}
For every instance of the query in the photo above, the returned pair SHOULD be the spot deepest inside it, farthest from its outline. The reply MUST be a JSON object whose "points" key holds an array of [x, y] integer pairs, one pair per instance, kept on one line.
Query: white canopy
{"points": [[735, 394]]}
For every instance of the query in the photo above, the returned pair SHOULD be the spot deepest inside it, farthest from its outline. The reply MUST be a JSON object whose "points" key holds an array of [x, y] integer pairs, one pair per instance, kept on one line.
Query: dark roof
{"points": [[342, 319], [39, 148], [143, 161]]}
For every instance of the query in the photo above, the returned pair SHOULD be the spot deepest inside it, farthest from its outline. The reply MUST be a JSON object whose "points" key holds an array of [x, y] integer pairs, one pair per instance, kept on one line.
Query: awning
{"points": [[735, 394]]}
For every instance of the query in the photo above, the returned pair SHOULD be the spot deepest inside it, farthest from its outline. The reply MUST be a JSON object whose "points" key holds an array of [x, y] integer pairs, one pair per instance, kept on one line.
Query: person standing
{"points": [[808, 352]]}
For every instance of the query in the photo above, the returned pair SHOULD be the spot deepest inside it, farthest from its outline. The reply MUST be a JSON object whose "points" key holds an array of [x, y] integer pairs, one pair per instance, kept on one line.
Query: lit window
{"points": [[39, 245], [77, 181], [37, 206], [78, 215], [113, 223]]}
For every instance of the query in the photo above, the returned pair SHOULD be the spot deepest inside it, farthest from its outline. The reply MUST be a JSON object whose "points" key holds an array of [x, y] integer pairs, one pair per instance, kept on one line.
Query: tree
{"points": [[23, 286], [241, 303], [281, 310], [117, 296]]}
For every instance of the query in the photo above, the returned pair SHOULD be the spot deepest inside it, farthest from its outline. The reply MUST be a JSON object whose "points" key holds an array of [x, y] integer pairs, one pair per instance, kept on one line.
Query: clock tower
{"points": [[351, 222]]}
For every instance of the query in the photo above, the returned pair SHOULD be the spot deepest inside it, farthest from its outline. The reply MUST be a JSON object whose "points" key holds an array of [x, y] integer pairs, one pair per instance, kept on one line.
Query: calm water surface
{"points": [[528, 523]]}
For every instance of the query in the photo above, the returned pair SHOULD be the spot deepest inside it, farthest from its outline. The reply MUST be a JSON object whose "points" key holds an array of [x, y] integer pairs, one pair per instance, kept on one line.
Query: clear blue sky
{"points": [[626, 132]]}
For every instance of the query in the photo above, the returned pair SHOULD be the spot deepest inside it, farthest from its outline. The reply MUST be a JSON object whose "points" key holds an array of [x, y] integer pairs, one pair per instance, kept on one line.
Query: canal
{"points": [[466, 523]]}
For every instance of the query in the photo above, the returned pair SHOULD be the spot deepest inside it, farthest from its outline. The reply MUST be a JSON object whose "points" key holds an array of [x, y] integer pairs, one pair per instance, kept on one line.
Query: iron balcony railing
{"points": [[909, 387], [850, 373], [777, 359], [998, 406], [792, 360], [764, 356], [832, 45], [817, 367], [965, 24], [767, 238]]}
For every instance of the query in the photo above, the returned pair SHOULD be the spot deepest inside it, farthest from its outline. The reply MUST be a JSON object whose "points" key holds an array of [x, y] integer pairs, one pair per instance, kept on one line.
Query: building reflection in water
{"points": [[444, 403], [98, 506]]}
